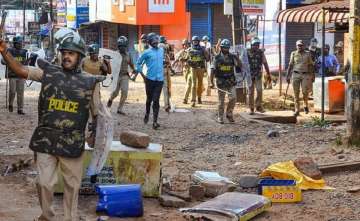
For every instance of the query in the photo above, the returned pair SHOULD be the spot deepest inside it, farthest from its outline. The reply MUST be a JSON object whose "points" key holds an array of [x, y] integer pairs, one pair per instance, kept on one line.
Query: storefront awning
{"points": [[335, 12]]}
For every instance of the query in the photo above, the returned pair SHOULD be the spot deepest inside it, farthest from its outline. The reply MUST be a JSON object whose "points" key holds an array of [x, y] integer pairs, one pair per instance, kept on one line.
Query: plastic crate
{"points": [[280, 191]]}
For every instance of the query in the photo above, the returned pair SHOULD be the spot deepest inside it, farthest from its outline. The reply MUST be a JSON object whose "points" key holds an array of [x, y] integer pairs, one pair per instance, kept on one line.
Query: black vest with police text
{"points": [[224, 70], [64, 105], [20, 56], [196, 57]]}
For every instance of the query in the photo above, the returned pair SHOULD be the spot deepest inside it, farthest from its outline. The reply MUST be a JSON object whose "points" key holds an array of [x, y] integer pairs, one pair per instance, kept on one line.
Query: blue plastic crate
{"points": [[273, 182]]}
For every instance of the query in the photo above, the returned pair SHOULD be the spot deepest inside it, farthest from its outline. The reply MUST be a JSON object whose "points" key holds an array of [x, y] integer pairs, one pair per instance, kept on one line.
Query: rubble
{"points": [[248, 181], [307, 166], [215, 188], [135, 139], [197, 192], [273, 133], [171, 201]]}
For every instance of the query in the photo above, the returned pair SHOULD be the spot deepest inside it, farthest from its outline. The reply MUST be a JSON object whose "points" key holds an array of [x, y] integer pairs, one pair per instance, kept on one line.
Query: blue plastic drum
{"points": [[120, 200]]}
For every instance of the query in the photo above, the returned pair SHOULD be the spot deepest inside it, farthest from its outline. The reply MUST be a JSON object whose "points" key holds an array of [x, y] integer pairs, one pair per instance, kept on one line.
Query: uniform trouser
{"points": [[304, 81], [232, 100], [123, 86], [16, 86], [167, 88], [186, 73], [197, 86], [153, 92], [256, 84], [95, 100], [208, 72], [71, 170], [188, 80]]}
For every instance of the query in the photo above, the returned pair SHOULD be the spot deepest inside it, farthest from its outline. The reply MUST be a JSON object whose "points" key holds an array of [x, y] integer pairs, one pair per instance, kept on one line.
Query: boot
{"points": [[199, 100], [185, 101], [155, 125], [11, 109], [109, 103], [146, 118], [193, 104], [306, 110], [230, 118], [252, 111], [20, 112], [220, 120]]}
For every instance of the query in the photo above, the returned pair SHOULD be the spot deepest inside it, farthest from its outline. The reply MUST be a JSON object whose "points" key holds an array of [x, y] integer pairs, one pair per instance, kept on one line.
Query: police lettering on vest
{"points": [[20, 56], [224, 70], [64, 105], [196, 57]]}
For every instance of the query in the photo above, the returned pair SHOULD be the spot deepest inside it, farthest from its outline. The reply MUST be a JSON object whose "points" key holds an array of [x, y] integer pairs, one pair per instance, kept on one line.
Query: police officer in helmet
{"points": [[16, 84], [223, 69], [59, 138], [196, 58], [123, 78]]}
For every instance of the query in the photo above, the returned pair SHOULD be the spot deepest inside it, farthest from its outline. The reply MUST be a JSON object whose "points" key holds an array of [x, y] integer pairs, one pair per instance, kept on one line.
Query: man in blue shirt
{"points": [[332, 65], [154, 79]]}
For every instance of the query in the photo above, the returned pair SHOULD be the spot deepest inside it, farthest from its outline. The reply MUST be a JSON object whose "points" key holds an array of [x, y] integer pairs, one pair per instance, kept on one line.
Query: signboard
{"points": [[61, 12], [77, 13], [33, 27], [161, 6], [250, 7], [14, 22]]}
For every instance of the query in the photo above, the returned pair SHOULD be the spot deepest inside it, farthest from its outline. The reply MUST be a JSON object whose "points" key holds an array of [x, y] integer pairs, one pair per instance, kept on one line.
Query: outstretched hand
{"points": [[3, 46]]}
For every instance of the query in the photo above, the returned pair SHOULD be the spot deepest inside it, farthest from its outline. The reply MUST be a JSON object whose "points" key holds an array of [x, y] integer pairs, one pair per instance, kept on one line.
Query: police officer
{"points": [[167, 72], [257, 60], [300, 70], [196, 59], [64, 102], [223, 69], [123, 78], [207, 45], [153, 58], [16, 84], [181, 58], [92, 64]]}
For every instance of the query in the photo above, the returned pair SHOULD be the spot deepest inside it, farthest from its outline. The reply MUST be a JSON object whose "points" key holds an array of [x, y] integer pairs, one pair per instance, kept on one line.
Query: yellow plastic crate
{"points": [[282, 194], [126, 165]]}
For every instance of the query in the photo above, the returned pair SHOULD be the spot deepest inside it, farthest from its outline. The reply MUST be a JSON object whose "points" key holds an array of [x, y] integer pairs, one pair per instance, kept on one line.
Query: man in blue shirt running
{"points": [[154, 79]]}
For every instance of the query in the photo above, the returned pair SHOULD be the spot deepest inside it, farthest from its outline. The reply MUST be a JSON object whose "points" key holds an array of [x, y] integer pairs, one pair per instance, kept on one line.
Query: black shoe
{"points": [[156, 125], [220, 120], [20, 112], [11, 109], [297, 113], [193, 104], [167, 109], [199, 100], [185, 101], [109, 103], [146, 119], [306, 110], [230, 118], [120, 112]]}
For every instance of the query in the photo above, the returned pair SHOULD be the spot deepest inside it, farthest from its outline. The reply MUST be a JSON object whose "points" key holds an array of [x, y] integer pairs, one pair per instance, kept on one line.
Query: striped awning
{"points": [[335, 12]]}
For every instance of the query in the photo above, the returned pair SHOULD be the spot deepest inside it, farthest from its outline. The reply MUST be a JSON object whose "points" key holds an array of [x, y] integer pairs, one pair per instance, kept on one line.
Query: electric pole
{"points": [[24, 9], [353, 91], [237, 23], [52, 25]]}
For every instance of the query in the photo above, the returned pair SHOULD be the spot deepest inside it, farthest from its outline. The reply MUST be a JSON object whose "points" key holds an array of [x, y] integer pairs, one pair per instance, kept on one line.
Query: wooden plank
{"points": [[340, 167]]}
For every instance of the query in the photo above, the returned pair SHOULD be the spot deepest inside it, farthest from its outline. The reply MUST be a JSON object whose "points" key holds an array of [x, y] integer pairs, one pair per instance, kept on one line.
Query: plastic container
{"points": [[120, 200], [280, 191]]}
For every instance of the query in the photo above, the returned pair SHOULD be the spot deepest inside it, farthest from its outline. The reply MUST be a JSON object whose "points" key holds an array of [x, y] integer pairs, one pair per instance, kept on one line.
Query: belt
{"points": [[298, 72]]}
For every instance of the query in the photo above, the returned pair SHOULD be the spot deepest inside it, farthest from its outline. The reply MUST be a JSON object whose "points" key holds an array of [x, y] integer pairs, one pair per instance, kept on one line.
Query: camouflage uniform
{"points": [[59, 138], [224, 66], [302, 63]]}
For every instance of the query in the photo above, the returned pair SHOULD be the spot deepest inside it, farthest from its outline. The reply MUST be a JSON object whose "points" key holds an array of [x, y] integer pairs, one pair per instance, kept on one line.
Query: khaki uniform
{"points": [[93, 67], [123, 82], [167, 76], [301, 76], [48, 165], [256, 61]]}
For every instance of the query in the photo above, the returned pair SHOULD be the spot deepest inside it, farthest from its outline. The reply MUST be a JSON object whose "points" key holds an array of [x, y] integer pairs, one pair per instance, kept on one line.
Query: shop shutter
{"points": [[199, 20], [151, 28], [294, 32], [221, 24]]}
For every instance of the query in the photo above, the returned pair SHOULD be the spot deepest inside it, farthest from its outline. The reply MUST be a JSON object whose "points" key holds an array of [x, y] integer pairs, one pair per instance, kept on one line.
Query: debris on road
{"points": [[205, 176], [197, 192], [280, 191], [171, 201], [248, 181], [353, 189], [135, 139], [273, 133], [340, 167], [307, 166], [21, 164], [215, 188], [228, 207]]}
